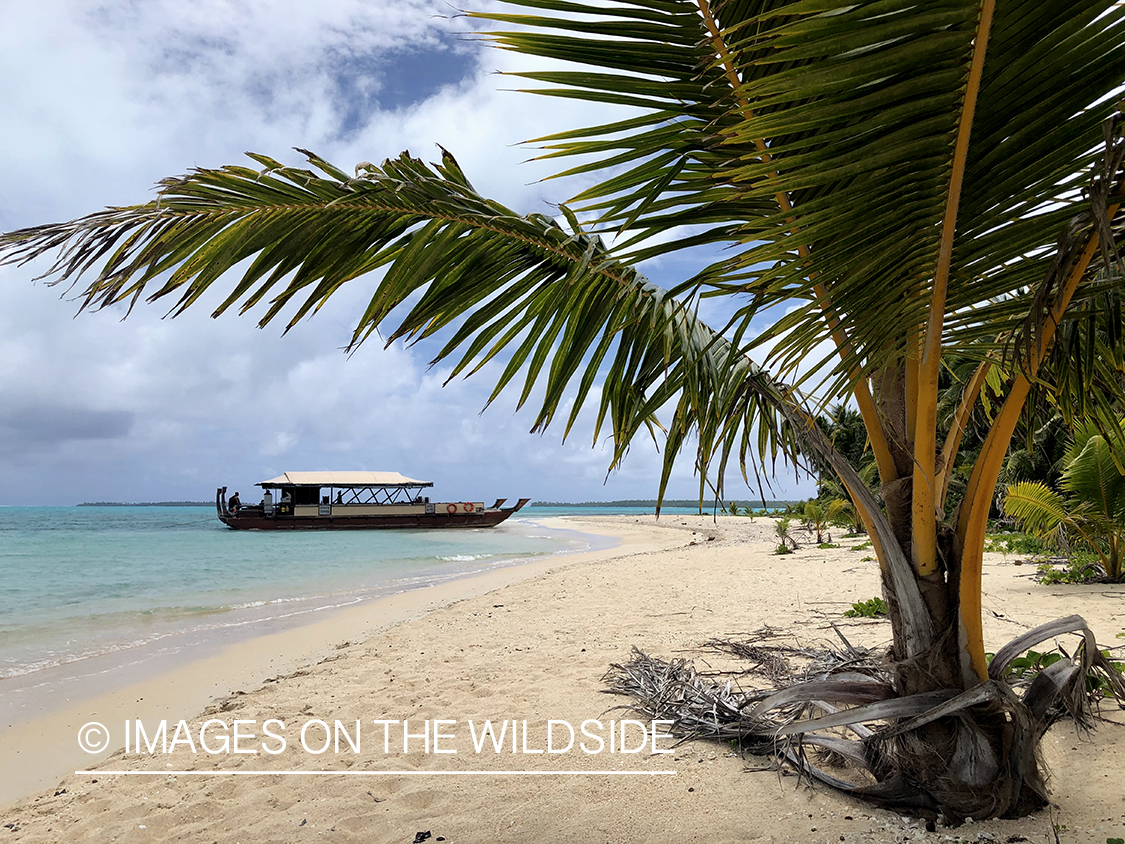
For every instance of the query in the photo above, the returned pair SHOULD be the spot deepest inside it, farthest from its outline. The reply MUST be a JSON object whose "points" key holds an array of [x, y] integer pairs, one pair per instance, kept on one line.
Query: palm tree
{"points": [[841, 510], [1093, 508], [1043, 456], [787, 543], [819, 514], [844, 428], [908, 181]]}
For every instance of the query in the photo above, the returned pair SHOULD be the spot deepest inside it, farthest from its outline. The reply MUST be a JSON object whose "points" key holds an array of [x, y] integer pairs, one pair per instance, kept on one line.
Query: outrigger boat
{"points": [[334, 500]]}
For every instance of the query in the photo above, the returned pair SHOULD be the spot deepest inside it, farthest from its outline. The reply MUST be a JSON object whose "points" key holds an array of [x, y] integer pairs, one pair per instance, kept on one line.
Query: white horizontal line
{"points": [[378, 773]]}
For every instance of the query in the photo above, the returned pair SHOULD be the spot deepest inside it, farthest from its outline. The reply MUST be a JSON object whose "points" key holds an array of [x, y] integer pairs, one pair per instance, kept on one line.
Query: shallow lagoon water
{"points": [[93, 598], [78, 582]]}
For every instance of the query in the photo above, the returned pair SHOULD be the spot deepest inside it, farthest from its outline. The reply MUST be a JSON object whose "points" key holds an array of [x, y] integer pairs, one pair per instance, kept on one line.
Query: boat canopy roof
{"points": [[343, 480]]}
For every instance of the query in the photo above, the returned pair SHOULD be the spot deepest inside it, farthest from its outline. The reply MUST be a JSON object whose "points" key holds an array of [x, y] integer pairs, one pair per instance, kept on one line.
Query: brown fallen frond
{"points": [[843, 706], [778, 662]]}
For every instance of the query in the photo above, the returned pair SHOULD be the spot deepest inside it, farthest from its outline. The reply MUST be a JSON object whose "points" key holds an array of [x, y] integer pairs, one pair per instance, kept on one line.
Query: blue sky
{"points": [[102, 101]]}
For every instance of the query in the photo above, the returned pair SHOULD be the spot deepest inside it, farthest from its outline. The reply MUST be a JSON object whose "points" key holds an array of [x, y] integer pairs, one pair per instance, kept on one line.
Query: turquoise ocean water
{"points": [[78, 582], [85, 591]]}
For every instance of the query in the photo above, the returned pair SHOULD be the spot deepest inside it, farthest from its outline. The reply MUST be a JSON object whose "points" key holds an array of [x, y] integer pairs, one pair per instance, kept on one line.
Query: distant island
{"points": [[146, 504]]}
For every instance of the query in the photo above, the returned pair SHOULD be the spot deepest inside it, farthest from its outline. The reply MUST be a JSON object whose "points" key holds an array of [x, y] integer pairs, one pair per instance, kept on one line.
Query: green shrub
{"points": [[1080, 568], [1096, 684], [871, 608], [1031, 663], [1015, 543]]}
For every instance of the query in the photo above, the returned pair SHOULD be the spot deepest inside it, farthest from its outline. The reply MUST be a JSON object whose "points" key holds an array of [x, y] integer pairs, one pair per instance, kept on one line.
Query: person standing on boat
{"points": [[267, 503], [235, 503]]}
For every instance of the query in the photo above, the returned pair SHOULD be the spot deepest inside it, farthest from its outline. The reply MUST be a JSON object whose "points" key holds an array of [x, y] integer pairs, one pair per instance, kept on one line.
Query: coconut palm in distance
{"points": [[909, 180], [1093, 509]]}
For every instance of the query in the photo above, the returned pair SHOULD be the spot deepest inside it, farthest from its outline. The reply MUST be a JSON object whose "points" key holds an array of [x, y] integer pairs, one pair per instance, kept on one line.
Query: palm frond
{"points": [[848, 111], [1041, 510], [549, 303], [1093, 475]]}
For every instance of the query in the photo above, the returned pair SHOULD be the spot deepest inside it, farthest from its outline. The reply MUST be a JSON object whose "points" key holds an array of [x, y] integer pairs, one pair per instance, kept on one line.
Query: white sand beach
{"points": [[527, 645]]}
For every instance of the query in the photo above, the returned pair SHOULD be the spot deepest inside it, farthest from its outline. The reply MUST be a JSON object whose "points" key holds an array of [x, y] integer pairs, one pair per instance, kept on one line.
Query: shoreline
{"points": [[78, 589], [33, 758], [128, 653], [533, 651]]}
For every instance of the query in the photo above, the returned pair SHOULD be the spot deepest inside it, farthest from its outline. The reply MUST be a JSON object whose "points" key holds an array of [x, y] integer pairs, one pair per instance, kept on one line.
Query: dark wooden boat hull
{"points": [[482, 518]]}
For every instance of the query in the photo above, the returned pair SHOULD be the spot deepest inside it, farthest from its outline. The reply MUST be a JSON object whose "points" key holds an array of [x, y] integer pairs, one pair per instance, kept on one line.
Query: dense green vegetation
{"points": [[1088, 507]]}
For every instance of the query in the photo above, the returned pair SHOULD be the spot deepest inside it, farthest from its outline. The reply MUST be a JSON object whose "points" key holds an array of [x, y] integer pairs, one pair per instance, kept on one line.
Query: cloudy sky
{"points": [[103, 99]]}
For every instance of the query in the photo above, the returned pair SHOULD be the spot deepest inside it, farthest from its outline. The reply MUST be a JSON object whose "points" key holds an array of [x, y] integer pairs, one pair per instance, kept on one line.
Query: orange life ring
{"points": [[451, 509], [469, 507]]}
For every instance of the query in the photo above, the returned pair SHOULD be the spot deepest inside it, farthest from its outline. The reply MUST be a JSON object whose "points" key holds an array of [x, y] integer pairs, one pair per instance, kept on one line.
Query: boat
{"points": [[342, 500]]}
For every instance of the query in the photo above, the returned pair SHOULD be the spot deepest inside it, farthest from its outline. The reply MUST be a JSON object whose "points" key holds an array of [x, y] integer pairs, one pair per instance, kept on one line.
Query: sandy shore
{"points": [[521, 647]]}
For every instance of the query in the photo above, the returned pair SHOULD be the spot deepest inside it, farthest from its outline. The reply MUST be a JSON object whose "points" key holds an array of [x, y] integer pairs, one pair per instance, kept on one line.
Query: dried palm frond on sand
{"points": [[842, 703]]}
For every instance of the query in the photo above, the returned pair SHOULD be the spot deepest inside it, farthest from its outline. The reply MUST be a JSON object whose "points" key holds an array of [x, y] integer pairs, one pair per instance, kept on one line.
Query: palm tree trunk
{"points": [[979, 762]]}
